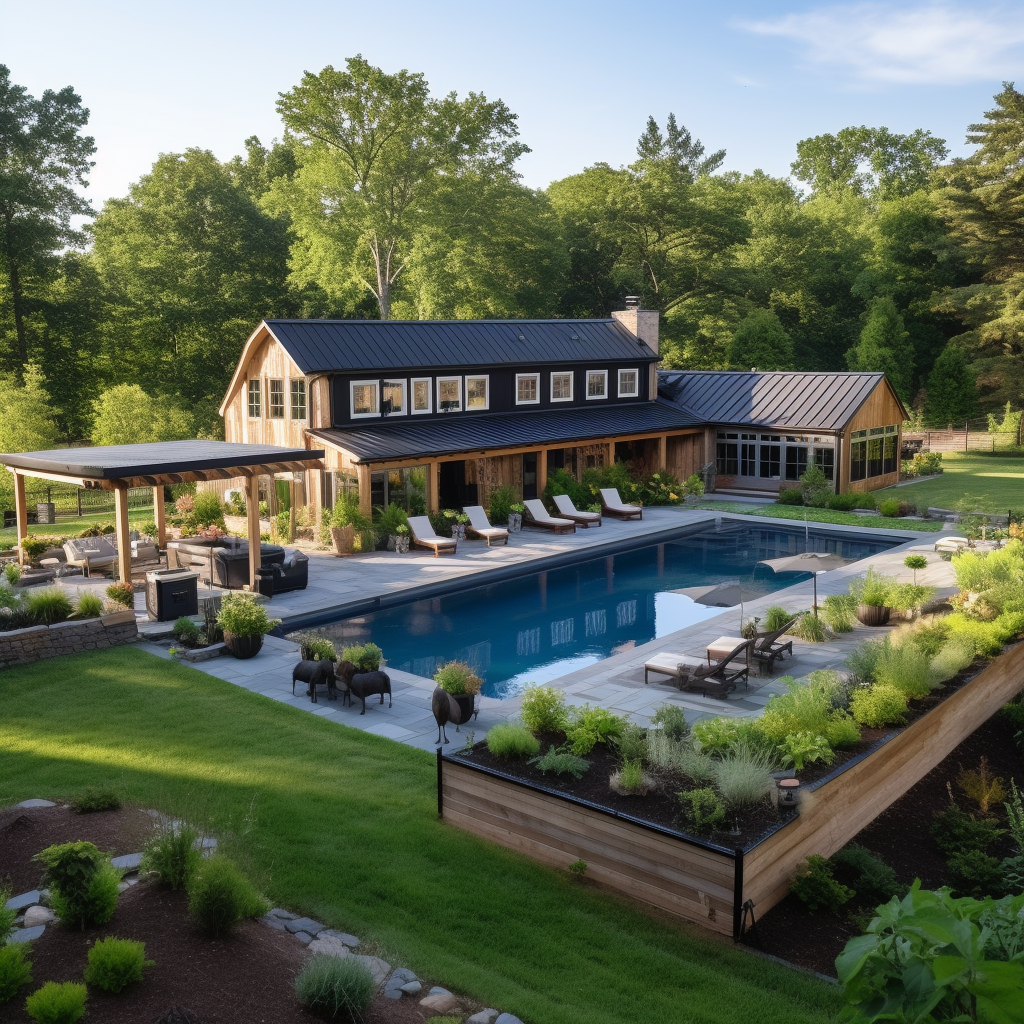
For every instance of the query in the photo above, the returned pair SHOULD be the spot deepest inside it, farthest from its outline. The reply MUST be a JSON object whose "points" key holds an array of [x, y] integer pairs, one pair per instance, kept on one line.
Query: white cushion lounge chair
{"points": [[423, 536], [538, 515], [615, 507], [568, 510], [480, 525]]}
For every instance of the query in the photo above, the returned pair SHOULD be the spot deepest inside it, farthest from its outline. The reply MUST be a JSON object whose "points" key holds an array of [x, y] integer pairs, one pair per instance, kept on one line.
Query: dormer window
{"points": [[421, 391], [393, 398], [561, 387], [629, 384], [527, 389], [449, 394], [597, 384], [477, 393], [365, 398]]}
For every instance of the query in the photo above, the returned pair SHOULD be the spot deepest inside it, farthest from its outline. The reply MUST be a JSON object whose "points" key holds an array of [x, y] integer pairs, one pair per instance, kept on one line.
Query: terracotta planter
{"points": [[344, 538], [243, 646], [873, 614]]}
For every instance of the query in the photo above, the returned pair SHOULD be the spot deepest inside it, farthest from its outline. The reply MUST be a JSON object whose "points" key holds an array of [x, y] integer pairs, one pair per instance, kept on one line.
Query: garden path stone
{"points": [[412, 988], [27, 934], [26, 899], [35, 916], [380, 969], [483, 1017], [129, 862], [284, 915], [507, 1018], [349, 940], [440, 1003], [304, 937], [273, 922], [329, 946], [37, 803], [305, 924]]}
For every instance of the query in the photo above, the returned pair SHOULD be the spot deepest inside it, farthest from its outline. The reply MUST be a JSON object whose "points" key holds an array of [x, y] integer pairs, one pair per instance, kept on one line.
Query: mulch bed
{"points": [[247, 977]]}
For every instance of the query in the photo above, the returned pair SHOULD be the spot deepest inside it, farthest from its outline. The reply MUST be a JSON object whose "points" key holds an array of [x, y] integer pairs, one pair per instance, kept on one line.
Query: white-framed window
{"points": [[629, 383], [527, 389], [449, 394], [275, 400], [422, 395], [255, 405], [597, 384], [561, 386], [477, 393], [365, 395], [392, 399], [298, 397]]}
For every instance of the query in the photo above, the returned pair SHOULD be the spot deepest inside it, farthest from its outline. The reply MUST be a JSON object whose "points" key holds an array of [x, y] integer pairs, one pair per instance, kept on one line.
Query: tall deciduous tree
{"points": [[761, 342], [885, 345], [26, 418], [373, 149], [43, 158]]}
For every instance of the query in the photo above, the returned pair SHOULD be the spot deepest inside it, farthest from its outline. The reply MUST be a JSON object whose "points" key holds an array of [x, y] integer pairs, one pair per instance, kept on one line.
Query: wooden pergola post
{"points": [[124, 543], [20, 514], [663, 453], [542, 471], [363, 483], [434, 487], [252, 514], [159, 516]]}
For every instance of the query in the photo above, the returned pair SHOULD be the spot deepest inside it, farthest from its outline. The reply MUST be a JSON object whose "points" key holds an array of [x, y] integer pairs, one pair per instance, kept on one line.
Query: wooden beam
{"points": [[159, 516], [20, 514], [124, 543], [542, 471], [363, 482], [252, 513], [62, 478]]}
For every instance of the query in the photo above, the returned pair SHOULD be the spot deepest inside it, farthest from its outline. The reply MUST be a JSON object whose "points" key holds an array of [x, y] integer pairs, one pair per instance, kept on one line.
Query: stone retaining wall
{"points": [[22, 646]]}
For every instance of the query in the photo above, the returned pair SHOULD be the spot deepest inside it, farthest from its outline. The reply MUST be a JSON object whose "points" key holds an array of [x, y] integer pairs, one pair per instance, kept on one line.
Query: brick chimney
{"points": [[641, 323]]}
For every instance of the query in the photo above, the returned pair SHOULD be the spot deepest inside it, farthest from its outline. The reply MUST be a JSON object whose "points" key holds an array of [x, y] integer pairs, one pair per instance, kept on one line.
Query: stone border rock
{"points": [[34, 643]]}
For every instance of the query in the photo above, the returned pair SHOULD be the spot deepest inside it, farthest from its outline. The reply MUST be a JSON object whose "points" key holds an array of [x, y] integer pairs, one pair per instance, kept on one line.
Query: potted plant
{"points": [[402, 539], [345, 520], [515, 517], [459, 526], [693, 489], [871, 592], [244, 620], [458, 679]]}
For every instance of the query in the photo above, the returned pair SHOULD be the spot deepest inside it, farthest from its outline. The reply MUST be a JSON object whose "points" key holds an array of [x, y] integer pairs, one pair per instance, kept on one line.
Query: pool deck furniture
{"points": [[731, 648], [480, 525], [91, 553], [568, 510], [423, 536], [713, 676], [537, 515], [613, 505], [769, 647]]}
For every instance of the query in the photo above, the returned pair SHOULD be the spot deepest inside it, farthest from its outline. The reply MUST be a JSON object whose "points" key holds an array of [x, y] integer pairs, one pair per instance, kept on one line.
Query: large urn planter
{"points": [[243, 646], [467, 705], [873, 614], [344, 539]]}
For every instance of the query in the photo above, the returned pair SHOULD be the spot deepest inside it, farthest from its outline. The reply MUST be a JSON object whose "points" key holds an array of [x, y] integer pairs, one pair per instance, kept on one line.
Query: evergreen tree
{"points": [[26, 417], [761, 342], [952, 388], [885, 345]]}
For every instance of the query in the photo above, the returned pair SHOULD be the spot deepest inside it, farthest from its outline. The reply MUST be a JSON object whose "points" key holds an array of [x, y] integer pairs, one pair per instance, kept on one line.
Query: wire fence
{"points": [[71, 502]]}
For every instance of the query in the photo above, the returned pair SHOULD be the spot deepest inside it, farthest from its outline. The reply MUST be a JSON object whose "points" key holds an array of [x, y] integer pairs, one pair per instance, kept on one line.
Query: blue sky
{"points": [[753, 78]]}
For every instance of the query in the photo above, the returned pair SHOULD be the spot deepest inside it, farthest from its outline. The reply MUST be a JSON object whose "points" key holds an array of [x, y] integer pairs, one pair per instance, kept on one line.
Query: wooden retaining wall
{"points": [[702, 882]]}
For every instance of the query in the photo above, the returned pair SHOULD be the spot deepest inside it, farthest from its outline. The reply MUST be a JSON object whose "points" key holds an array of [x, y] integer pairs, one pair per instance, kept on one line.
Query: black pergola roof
{"points": [[190, 460], [390, 440]]}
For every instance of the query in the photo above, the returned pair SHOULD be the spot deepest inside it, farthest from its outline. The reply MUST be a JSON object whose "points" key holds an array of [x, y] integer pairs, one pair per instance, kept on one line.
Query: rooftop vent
{"points": [[632, 302]]}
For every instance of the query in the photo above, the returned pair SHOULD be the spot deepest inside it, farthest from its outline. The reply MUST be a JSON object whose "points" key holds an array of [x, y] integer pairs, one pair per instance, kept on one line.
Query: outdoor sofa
{"points": [[224, 561]]}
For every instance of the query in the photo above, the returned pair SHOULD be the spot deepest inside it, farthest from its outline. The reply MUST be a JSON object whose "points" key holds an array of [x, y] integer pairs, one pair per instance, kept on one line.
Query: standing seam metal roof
{"points": [[812, 401], [319, 346]]}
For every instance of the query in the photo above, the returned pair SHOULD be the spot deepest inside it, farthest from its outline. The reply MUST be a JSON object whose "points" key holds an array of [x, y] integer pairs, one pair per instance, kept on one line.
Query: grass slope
{"points": [[997, 481], [343, 825], [827, 515]]}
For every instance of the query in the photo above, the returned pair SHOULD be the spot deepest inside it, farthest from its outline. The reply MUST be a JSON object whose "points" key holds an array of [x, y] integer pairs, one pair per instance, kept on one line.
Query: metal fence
{"points": [[73, 502]]}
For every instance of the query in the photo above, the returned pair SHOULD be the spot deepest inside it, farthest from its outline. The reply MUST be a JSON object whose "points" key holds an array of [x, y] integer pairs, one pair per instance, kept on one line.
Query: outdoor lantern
{"points": [[788, 794]]}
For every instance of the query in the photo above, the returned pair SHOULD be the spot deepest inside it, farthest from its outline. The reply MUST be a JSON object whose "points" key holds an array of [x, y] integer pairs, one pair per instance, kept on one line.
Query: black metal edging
{"points": [[737, 895], [440, 786]]}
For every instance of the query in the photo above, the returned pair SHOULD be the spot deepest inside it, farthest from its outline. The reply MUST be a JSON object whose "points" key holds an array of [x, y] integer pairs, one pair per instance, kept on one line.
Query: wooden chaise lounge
{"points": [[480, 525], [704, 677], [423, 536], [568, 510], [537, 515], [769, 647], [613, 505]]}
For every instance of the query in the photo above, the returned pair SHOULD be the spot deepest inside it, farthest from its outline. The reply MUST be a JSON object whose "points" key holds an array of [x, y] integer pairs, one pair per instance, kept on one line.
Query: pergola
{"points": [[118, 467]]}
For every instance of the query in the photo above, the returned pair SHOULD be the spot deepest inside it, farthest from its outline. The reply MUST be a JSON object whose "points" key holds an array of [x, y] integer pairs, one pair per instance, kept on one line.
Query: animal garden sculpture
{"points": [[363, 684], [314, 674], [445, 709]]}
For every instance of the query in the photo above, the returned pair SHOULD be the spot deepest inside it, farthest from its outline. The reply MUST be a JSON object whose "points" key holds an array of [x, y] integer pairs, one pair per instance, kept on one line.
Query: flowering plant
{"points": [[185, 504]]}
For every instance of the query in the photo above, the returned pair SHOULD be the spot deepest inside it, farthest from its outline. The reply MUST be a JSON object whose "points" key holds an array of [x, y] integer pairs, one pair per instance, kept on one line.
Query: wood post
{"points": [[252, 515], [159, 516], [542, 471], [663, 453], [434, 487], [610, 461], [124, 543], [20, 513], [363, 483]]}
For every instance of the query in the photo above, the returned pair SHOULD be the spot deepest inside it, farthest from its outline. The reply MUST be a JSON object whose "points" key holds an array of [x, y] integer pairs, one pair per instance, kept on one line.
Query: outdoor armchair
{"points": [[91, 553]]}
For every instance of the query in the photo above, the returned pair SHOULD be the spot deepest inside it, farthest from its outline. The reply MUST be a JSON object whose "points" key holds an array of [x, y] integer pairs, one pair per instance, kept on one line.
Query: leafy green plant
{"points": [[956, 832], [837, 610], [631, 743], [93, 800], [219, 896], [543, 709], [185, 630], [931, 957], [338, 988], [172, 853], [15, 969], [906, 597], [114, 964], [49, 605], [314, 646], [509, 739], [873, 588], [702, 809], [457, 678], [245, 615], [775, 618], [561, 761], [975, 873], [588, 726], [1014, 808], [889, 507], [717, 736], [816, 887], [877, 706], [871, 879], [904, 667], [35, 546], [816, 488], [630, 777], [803, 748], [790, 496], [952, 659], [82, 882], [1011, 870], [809, 627], [122, 593], [578, 868], [88, 605], [7, 916], [12, 573], [672, 720], [915, 562], [57, 1003], [743, 777], [815, 705], [502, 500], [365, 657]]}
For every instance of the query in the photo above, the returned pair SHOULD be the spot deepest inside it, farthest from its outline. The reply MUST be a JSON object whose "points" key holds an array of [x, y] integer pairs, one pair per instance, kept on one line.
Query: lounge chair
{"points": [[697, 675], [537, 515], [567, 510], [480, 525], [768, 647], [91, 553], [612, 505], [423, 536]]}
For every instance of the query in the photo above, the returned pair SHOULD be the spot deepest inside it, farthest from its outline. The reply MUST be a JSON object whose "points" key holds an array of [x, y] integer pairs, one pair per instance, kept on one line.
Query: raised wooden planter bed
{"points": [[701, 881]]}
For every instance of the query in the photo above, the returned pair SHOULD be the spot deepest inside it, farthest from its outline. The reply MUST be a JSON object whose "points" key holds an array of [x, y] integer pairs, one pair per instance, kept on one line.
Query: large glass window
{"points": [[890, 461], [771, 458], [858, 460], [365, 398], [748, 456], [421, 394], [276, 400], [298, 389], [825, 460], [393, 398], [874, 456], [727, 460], [255, 410], [597, 384], [796, 461], [527, 388], [449, 394], [561, 387], [477, 393]]}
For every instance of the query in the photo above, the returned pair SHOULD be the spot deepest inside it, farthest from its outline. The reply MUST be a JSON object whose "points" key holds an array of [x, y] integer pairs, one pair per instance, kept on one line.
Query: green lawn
{"points": [[997, 481], [827, 515], [343, 826], [73, 527]]}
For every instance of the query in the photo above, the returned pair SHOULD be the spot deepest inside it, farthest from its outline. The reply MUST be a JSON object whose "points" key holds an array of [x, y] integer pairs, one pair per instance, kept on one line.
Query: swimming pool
{"points": [[535, 628]]}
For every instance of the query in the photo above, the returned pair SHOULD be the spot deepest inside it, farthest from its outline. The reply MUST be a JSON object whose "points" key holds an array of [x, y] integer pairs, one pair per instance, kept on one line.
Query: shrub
{"points": [[718, 736], [457, 678], [15, 970], [975, 873], [672, 720], [12, 573], [842, 732], [502, 500], [702, 809], [816, 487], [122, 593], [873, 588], [905, 597], [837, 610], [116, 963], [6, 916], [207, 510], [1012, 871], [561, 761], [88, 605], [219, 896], [871, 879], [744, 777], [845, 502], [631, 742], [915, 562], [509, 739], [981, 786], [336, 987], [810, 628], [172, 854], [951, 660], [244, 615], [35, 546], [83, 884], [630, 778], [803, 748], [185, 630], [816, 888], [876, 706], [588, 726], [93, 800], [49, 605], [365, 657], [775, 618], [1014, 808], [790, 496], [543, 709], [388, 520], [955, 832], [315, 647], [904, 667], [578, 868], [98, 904], [889, 507], [57, 1004], [812, 706]]}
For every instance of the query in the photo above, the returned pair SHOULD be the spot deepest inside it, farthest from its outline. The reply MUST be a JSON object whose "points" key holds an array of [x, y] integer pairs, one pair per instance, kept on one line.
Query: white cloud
{"points": [[935, 44]]}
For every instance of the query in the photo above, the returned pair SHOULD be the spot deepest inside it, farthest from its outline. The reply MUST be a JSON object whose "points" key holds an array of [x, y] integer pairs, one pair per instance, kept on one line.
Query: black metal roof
{"points": [[457, 432], [319, 346], [111, 462], [808, 401]]}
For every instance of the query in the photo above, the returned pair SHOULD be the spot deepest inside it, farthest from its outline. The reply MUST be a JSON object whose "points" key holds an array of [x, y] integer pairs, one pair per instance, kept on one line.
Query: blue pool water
{"points": [[535, 628]]}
